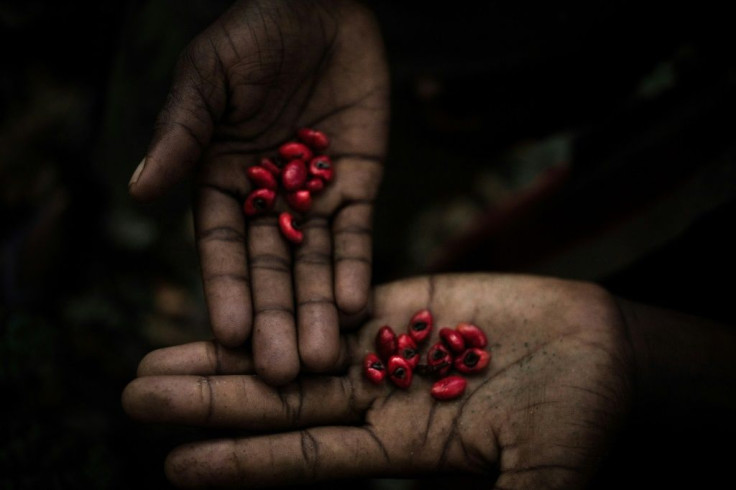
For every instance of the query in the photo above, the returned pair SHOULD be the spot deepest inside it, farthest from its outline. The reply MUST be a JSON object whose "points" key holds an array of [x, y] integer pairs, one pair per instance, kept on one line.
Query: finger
{"points": [[202, 358], [243, 402], [295, 457], [184, 126], [319, 333], [220, 231], [352, 237], [274, 334], [209, 358]]}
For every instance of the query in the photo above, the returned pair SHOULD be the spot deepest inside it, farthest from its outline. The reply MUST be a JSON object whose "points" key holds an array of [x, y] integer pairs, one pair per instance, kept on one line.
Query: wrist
{"points": [[682, 363]]}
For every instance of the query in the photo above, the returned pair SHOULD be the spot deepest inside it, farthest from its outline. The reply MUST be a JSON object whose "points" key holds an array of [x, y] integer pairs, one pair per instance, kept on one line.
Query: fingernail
{"points": [[137, 173]]}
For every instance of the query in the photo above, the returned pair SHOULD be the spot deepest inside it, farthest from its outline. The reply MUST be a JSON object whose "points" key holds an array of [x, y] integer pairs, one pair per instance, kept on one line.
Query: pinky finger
{"points": [[281, 459], [353, 256], [204, 358]]}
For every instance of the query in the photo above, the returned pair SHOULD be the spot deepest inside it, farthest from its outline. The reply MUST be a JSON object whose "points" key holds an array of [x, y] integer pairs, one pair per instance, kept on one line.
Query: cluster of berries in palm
{"points": [[397, 357], [299, 170]]}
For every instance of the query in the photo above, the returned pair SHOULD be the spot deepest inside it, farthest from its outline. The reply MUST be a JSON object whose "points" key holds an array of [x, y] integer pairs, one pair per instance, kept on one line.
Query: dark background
{"points": [[590, 142]]}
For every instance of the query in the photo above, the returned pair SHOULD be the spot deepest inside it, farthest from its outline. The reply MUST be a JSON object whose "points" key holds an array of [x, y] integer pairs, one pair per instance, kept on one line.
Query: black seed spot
{"points": [[419, 326], [471, 359]]}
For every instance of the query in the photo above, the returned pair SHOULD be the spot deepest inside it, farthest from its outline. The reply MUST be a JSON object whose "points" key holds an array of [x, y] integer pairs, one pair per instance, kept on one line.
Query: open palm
{"points": [[242, 88], [541, 415]]}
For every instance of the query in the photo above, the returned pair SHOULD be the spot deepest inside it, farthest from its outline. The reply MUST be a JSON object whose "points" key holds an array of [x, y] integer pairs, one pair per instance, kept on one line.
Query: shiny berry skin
{"points": [[453, 340], [321, 166], [474, 336], [449, 388], [261, 177], [407, 349], [386, 342], [315, 139], [472, 360], [399, 371], [293, 150], [268, 164], [300, 201], [259, 201], [420, 325], [294, 175], [439, 358], [373, 368], [315, 185], [289, 228]]}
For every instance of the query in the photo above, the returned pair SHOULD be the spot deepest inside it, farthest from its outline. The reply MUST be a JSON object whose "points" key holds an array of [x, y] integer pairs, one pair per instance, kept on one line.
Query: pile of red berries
{"points": [[397, 357], [300, 169]]}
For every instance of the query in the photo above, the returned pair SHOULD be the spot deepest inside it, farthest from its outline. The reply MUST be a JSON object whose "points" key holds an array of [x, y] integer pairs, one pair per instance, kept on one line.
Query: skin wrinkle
{"points": [[208, 399], [218, 358], [226, 275], [593, 392], [378, 441], [442, 460], [199, 86], [285, 406], [300, 395], [310, 451], [430, 418], [314, 258], [271, 268], [348, 388], [285, 105], [239, 470], [270, 261], [453, 431], [317, 222], [221, 234], [287, 310]]}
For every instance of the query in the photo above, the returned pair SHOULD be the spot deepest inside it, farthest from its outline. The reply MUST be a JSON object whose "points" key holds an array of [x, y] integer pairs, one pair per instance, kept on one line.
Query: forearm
{"points": [[683, 363]]}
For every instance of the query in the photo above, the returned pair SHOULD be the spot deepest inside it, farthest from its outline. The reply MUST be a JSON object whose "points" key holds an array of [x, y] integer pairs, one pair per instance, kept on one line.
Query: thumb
{"points": [[195, 103]]}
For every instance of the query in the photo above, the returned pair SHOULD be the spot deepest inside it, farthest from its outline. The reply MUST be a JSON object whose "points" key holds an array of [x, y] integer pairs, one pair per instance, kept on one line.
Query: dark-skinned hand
{"points": [[241, 89], [541, 415]]}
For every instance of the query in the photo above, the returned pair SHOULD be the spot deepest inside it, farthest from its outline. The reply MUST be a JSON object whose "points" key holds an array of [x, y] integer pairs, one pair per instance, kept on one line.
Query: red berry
{"points": [[294, 175], [316, 139], [300, 201], [315, 185], [439, 358], [407, 349], [449, 388], [472, 360], [453, 340], [259, 201], [321, 166], [289, 228], [420, 325], [386, 343], [261, 177], [473, 335], [373, 368], [268, 164], [400, 371], [293, 150]]}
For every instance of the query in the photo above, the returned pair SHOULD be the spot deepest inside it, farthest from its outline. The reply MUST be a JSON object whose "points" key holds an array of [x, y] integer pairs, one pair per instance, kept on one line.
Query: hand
{"points": [[540, 416], [242, 88]]}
